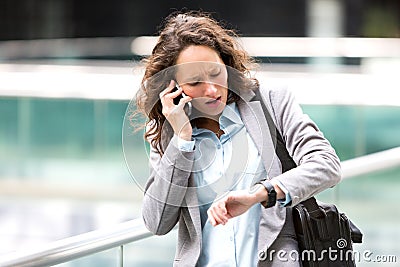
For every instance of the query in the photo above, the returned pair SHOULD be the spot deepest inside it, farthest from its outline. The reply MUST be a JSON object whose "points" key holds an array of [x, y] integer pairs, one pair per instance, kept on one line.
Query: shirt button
{"points": [[231, 238], [219, 146]]}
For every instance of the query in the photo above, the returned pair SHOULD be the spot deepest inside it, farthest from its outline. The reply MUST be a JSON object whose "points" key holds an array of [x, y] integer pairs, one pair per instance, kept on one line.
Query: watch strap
{"points": [[271, 194]]}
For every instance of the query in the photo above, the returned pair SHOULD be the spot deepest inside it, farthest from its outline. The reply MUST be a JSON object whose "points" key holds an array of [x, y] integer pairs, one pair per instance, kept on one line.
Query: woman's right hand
{"points": [[174, 113]]}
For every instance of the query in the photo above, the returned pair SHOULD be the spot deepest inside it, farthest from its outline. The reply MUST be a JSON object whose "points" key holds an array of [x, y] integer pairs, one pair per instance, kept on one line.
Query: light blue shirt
{"points": [[222, 165]]}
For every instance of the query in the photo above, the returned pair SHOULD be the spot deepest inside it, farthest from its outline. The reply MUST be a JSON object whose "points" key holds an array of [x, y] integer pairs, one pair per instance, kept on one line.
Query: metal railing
{"points": [[100, 240], [79, 246]]}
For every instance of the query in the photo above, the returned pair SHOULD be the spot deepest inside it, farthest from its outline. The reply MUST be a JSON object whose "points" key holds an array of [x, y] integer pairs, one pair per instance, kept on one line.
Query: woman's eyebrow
{"points": [[193, 78]]}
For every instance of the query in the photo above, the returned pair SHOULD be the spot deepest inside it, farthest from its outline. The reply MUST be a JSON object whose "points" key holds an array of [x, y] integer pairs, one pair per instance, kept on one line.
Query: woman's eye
{"points": [[193, 83], [215, 72]]}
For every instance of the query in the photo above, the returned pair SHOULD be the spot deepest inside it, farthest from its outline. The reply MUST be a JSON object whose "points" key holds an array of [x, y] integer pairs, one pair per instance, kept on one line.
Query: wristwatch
{"points": [[271, 194]]}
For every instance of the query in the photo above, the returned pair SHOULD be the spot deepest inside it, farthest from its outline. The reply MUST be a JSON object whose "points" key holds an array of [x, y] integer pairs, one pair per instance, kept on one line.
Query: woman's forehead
{"points": [[198, 69]]}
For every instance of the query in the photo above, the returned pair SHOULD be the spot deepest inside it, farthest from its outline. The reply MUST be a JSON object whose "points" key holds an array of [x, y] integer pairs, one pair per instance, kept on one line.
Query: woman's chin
{"points": [[210, 111]]}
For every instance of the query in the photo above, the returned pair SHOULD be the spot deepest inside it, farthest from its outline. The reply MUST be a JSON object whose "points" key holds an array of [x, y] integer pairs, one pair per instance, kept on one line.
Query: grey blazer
{"points": [[170, 193]]}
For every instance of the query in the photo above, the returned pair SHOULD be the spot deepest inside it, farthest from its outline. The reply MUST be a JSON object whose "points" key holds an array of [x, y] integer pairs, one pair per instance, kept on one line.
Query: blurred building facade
{"points": [[30, 19]]}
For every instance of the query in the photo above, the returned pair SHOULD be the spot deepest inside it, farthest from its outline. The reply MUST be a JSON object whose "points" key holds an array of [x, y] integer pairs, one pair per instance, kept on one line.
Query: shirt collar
{"points": [[229, 120], [230, 115]]}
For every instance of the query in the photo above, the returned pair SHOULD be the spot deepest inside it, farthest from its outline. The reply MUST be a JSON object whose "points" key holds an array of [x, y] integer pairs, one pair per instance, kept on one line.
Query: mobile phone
{"points": [[179, 97], [188, 106]]}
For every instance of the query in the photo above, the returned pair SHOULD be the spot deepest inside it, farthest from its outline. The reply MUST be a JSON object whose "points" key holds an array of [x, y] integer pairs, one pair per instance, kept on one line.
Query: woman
{"points": [[214, 169]]}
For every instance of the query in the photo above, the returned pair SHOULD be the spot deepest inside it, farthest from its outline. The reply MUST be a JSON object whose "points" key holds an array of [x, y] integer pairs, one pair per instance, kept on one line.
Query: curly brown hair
{"points": [[180, 30]]}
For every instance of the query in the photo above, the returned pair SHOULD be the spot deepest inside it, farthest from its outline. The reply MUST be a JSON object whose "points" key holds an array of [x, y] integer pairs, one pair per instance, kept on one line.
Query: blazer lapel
{"points": [[253, 118], [256, 124]]}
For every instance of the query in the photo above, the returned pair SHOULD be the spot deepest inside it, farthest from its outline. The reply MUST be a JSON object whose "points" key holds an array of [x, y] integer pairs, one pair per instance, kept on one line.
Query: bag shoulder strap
{"points": [[284, 156]]}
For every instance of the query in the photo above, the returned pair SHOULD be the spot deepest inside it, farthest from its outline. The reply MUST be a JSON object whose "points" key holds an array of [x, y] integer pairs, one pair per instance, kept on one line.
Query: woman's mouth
{"points": [[214, 102]]}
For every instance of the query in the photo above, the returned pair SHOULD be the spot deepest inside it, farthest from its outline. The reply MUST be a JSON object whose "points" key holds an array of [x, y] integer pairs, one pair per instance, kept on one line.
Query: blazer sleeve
{"points": [[166, 187], [318, 166]]}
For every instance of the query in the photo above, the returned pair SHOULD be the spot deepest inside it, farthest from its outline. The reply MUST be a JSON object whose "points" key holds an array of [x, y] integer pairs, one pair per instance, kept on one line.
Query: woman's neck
{"points": [[209, 124]]}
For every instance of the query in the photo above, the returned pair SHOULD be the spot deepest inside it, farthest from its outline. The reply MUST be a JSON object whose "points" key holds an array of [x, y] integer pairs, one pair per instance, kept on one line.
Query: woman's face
{"points": [[203, 76]]}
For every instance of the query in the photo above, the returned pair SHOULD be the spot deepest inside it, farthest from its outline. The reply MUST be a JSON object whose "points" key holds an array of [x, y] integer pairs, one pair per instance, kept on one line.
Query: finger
{"points": [[168, 89], [216, 218], [185, 100], [175, 93], [211, 218], [222, 217], [219, 215], [221, 208]]}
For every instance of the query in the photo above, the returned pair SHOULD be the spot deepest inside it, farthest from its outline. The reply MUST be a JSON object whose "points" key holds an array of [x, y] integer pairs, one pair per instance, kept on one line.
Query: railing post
{"points": [[121, 256]]}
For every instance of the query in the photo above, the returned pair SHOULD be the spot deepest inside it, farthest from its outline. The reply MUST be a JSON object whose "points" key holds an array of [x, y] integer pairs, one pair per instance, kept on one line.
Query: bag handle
{"points": [[285, 159]]}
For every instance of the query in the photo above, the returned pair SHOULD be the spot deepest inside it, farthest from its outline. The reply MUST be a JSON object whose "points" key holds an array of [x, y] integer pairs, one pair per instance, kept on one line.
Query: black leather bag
{"points": [[325, 236]]}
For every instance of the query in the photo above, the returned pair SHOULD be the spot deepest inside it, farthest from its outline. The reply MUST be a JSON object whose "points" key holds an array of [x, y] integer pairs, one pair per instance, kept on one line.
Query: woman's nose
{"points": [[210, 88]]}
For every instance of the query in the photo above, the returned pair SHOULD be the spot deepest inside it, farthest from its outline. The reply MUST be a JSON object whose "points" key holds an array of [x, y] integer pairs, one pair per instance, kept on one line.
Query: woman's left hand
{"points": [[234, 204]]}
